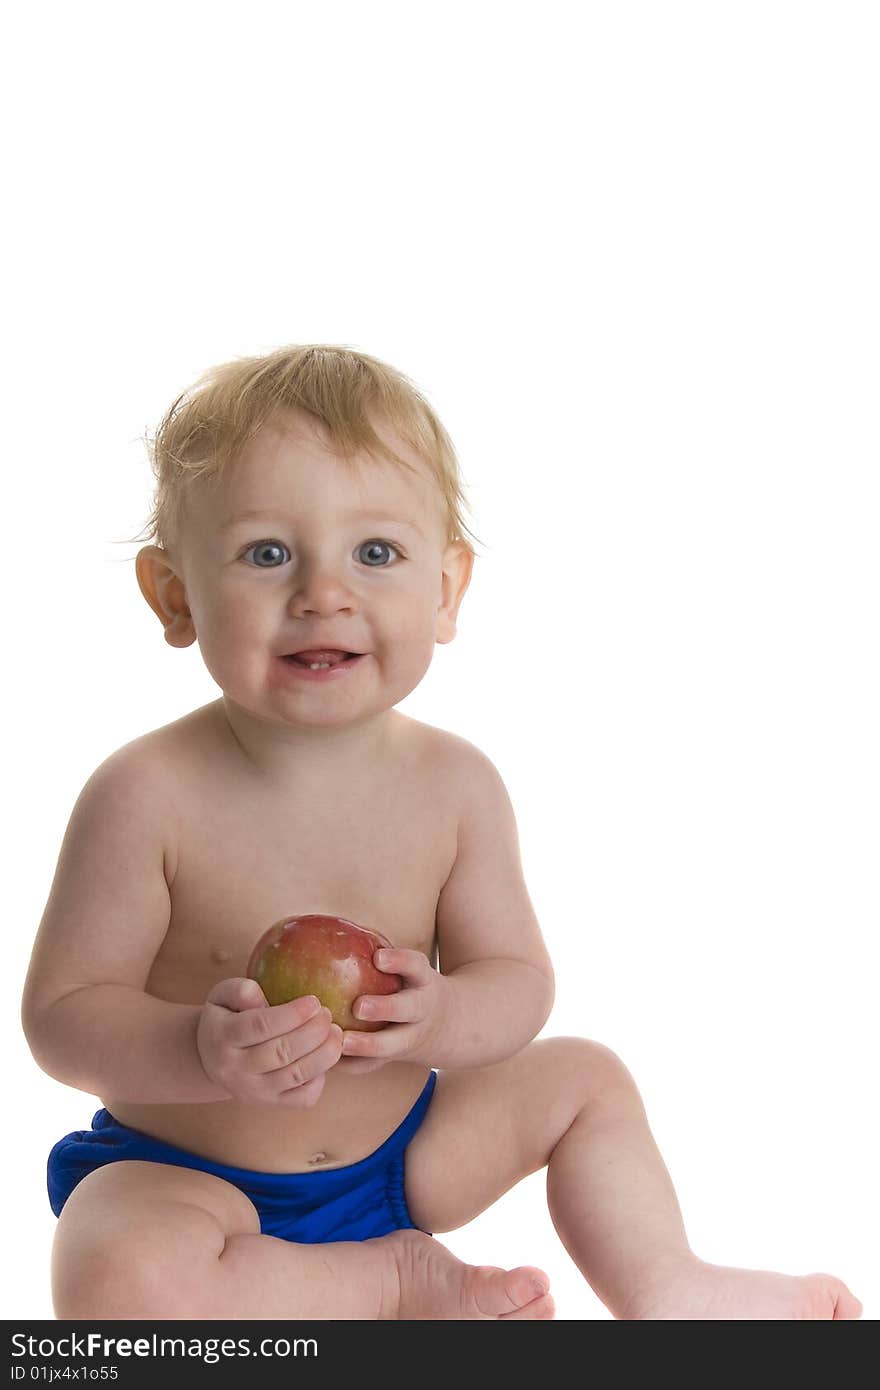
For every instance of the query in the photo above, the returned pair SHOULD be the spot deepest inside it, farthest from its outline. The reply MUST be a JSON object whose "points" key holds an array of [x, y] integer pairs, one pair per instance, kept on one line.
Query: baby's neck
{"points": [[280, 752]]}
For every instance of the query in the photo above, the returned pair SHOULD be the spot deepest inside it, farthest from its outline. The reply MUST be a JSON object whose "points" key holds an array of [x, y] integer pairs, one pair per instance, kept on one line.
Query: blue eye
{"points": [[267, 546], [372, 546], [273, 553]]}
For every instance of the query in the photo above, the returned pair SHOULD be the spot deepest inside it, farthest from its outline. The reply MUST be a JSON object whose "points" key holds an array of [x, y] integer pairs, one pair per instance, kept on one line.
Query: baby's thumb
{"points": [[238, 994]]}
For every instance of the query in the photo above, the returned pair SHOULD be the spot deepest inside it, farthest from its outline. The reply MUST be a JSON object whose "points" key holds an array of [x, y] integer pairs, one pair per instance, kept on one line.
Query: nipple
{"points": [[219, 955]]}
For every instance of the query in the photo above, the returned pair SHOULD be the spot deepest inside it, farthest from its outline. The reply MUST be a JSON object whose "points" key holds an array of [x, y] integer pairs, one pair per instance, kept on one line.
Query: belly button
{"points": [[318, 1158]]}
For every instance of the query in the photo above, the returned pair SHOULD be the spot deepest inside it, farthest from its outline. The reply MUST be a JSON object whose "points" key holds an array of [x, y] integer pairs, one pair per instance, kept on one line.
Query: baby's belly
{"points": [[352, 1118]]}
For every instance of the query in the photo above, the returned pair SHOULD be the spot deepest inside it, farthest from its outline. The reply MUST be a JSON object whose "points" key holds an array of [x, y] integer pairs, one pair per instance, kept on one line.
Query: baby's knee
{"points": [[142, 1268], [588, 1070]]}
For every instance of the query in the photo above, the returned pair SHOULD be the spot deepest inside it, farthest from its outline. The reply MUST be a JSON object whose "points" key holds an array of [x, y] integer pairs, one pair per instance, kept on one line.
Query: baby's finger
{"points": [[306, 1068], [357, 1066], [287, 1048], [299, 1097], [238, 994], [257, 1025], [403, 1007], [388, 1042], [414, 966]]}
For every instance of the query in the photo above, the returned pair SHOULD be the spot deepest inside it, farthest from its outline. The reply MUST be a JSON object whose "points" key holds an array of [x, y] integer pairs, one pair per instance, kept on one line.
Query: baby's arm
{"points": [[496, 988], [85, 1012]]}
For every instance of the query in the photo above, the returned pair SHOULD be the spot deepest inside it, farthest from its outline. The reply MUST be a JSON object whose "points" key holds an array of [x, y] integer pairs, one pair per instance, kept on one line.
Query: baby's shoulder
{"points": [[153, 770], [445, 756], [160, 751], [149, 781], [475, 790]]}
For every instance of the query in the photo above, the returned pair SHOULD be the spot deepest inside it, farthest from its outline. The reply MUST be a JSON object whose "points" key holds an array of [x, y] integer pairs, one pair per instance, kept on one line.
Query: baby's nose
{"points": [[321, 592]]}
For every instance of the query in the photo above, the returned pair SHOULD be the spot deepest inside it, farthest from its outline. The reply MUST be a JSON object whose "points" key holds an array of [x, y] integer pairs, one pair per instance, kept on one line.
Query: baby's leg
{"points": [[571, 1105], [147, 1240]]}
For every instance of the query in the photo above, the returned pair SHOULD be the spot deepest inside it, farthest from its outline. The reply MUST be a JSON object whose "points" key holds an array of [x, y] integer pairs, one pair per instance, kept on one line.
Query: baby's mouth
{"points": [[321, 660]]}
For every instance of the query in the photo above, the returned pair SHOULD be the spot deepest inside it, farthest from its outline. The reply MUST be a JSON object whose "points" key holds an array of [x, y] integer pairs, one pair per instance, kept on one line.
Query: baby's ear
{"points": [[458, 564], [163, 589]]}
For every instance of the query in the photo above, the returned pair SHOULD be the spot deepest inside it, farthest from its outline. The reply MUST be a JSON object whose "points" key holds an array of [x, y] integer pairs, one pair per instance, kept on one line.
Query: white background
{"points": [[629, 251]]}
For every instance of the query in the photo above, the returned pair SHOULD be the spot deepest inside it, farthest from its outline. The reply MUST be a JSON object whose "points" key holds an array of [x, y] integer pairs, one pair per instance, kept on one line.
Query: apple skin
{"points": [[329, 957]]}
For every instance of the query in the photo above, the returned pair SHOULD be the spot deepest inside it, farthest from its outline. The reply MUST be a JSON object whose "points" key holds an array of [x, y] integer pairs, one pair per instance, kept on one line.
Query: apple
{"points": [[329, 957]]}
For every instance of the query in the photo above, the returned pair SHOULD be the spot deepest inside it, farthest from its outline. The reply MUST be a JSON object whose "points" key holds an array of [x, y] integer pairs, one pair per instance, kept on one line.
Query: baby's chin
{"points": [[312, 709]]}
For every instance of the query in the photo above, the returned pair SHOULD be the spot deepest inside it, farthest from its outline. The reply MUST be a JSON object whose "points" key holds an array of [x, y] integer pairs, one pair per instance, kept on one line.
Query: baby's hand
{"points": [[275, 1054], [415, 1014]]}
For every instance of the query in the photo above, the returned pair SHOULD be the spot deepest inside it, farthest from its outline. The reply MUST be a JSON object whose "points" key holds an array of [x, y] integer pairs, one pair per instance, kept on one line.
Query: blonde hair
{"points": [[208, 425]]}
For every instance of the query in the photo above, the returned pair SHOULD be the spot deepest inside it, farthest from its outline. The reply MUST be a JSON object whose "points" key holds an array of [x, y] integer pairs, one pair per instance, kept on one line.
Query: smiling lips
{"points": [[320, 658]]}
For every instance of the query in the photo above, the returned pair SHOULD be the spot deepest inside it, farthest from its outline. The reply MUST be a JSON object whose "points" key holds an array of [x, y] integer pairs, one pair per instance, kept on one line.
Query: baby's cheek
{"points": [[403, 669]]}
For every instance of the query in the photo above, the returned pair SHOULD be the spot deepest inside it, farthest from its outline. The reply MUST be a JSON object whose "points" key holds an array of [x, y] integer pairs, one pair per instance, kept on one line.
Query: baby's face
{"points": [[354, 559]]}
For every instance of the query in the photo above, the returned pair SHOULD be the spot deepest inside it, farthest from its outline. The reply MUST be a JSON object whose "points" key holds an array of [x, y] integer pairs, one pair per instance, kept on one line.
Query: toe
{"points": [[829, 1299], [846, 1306], [539, 1310], [502, 1293]]}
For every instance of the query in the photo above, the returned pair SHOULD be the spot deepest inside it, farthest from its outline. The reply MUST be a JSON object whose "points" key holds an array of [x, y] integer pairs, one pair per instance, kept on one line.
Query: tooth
{"points": [[319, 666]]}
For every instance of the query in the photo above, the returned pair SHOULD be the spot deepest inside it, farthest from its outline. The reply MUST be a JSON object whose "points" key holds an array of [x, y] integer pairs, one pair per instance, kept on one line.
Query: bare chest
{"points": [[377, 853]]}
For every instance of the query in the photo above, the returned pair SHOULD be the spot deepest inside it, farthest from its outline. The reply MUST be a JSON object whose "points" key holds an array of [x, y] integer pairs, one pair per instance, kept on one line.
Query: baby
{"points": [[258, 1162]]}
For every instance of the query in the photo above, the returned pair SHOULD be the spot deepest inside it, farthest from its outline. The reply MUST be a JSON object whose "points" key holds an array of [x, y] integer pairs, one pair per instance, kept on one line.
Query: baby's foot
{"points": [[688, 1289], [434, 1284]]}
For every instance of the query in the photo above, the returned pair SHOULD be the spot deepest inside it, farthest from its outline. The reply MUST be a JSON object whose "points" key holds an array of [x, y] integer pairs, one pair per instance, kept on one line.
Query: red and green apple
{"points": [[329, 957]]}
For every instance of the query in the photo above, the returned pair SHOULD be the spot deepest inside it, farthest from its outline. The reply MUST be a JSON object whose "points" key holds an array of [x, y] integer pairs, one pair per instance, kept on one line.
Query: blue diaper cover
{"points": [[357, 1202]]}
